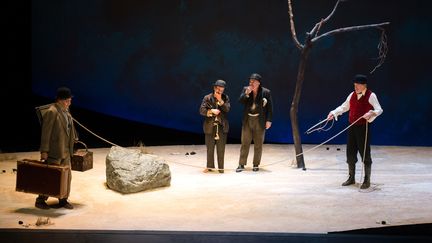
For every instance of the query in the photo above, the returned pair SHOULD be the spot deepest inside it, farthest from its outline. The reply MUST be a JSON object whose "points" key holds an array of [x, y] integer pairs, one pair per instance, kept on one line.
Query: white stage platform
{"points": [[278, 198]]}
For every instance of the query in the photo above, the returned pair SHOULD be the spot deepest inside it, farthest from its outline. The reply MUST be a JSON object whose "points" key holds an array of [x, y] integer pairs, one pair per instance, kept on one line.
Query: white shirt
{"points": [[373, 100]]}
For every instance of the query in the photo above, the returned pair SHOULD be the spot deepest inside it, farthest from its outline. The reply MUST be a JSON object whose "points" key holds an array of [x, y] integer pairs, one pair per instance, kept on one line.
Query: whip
{"points": [[321, 128]]}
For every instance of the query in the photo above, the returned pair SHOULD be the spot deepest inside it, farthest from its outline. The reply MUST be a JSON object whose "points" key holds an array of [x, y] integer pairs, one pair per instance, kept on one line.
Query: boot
{"points": [[65, 204], [351, 178], [240, 168], [40, 202], [366, 182]]}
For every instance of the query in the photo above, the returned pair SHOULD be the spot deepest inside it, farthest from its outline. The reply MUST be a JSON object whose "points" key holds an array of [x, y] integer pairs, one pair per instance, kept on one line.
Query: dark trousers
{"points": [[251, 130], [220, 147], [66, 163], [356, 143]]}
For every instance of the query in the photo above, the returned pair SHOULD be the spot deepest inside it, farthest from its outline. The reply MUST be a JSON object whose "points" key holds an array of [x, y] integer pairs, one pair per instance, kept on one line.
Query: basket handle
{"points": [[77, 141]]}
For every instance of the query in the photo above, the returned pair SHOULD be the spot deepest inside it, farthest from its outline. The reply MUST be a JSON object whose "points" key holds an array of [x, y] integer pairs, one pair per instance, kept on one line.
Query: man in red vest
{"points": [[362, 103]]}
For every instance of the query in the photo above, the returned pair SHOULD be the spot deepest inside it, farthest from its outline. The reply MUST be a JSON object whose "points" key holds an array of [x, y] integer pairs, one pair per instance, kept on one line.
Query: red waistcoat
{"points": [[358, 107]]}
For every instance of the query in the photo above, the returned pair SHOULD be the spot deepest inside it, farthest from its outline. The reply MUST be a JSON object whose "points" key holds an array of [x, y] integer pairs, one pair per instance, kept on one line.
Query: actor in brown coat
{"points": [[57, 139], [215, 107]]}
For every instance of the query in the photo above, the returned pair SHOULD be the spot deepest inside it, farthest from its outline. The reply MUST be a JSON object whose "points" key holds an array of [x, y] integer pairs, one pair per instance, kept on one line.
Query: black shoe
{"points": [[240, 168], [41, 205], [221, 171], [65, 204], [255, 169], [365, 185], [348, 182]]}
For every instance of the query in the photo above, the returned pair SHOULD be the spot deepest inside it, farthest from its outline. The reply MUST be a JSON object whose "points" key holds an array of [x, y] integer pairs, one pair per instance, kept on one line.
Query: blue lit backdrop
{"points": [[153, 61]]}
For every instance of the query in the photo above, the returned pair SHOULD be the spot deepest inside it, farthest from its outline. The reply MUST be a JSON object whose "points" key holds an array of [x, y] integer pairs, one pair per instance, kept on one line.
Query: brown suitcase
{"points": [[82, 159], [36, 177]]}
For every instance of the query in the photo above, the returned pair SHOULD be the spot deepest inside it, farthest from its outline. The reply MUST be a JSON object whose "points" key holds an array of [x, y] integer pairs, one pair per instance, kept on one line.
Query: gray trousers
{"points": [[220, 147], [66, 163], [251, 130]]}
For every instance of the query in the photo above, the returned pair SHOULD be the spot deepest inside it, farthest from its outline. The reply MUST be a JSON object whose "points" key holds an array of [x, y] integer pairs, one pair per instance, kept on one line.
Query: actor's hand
{"points": [[215, 111], [248, 90], [330, 117], [44, 156], [268, 124], [368, 116], [218, 96]]}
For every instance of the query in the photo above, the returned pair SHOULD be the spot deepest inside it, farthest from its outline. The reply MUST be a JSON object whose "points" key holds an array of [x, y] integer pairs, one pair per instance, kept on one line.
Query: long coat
{"points": [[56, 138], [209, 102]]}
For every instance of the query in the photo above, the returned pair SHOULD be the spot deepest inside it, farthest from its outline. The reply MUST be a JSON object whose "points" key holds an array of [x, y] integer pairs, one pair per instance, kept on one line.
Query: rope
{"points": [[319, 145], [94, 134], [321, 128], [265, 165], [229, 169], [309, 130], [364, 154], [283, 160]]}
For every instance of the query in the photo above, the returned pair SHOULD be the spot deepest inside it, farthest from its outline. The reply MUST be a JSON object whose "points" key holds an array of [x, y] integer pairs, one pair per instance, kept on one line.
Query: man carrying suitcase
{"points": [[57, 139]]}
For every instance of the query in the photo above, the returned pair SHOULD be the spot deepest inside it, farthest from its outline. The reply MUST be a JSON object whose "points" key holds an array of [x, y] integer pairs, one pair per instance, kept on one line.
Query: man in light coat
{"points": [[57, 140]]}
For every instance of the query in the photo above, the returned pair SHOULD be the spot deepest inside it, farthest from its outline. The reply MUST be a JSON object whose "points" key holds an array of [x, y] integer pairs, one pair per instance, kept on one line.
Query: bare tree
{"points": [[311, 38]]}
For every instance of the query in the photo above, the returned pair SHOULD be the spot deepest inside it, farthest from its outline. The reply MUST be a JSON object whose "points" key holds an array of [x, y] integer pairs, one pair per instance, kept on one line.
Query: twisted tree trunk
{"points": [[311, 38], [296, 99]]}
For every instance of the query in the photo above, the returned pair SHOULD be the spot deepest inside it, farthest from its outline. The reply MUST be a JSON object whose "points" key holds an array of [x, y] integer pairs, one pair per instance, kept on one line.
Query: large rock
{"points": [[130, 170]]}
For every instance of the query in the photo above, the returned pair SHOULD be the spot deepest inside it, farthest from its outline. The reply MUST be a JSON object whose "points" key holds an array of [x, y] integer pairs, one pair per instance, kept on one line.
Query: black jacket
{"points": [[264, 108]]}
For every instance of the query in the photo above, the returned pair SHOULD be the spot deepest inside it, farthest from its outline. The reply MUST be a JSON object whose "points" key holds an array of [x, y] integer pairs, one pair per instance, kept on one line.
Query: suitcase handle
{"points": [[77, 141], [44, 162], [34, 160]]}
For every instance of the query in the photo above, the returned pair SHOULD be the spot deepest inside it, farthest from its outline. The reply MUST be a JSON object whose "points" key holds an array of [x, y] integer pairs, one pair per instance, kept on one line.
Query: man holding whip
{"points": [[363, 107]]}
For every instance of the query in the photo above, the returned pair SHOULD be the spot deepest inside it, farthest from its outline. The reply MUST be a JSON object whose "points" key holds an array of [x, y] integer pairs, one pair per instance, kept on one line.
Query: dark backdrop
{"points": [[139, 69]]}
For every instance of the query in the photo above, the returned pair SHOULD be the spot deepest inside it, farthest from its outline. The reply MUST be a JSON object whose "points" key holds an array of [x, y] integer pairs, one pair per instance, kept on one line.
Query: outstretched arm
{"points": [[340, 110]]}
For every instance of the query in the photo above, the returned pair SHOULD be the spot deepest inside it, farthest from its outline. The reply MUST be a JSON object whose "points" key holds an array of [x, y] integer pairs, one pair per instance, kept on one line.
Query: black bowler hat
{"points": [[360, 79], [255, 76], [220, 83], [63, 93]]}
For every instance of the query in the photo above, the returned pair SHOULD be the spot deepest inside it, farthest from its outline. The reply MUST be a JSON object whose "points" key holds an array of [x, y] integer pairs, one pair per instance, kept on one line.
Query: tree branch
{"points": [[293, 32], [382, 50], [317, 26], [346, 29]]}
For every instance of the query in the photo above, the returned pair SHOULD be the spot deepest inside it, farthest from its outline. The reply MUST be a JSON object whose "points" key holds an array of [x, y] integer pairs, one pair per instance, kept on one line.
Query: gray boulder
{"points": [[130, 170]]}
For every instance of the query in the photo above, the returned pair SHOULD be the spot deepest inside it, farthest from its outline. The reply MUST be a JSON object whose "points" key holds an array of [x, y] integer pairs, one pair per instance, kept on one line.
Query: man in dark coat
{"points": [[257, 118], [215, 107]]}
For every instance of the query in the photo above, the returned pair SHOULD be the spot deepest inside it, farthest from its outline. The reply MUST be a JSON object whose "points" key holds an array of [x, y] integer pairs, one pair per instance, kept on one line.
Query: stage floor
{"points": [[278, 198]]}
